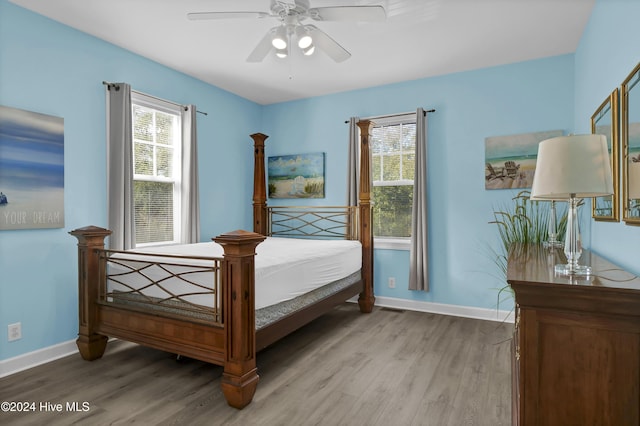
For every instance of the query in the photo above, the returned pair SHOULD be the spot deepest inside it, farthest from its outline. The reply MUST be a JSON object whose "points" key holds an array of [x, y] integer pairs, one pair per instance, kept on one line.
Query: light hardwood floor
{"points": [[346, 368]]}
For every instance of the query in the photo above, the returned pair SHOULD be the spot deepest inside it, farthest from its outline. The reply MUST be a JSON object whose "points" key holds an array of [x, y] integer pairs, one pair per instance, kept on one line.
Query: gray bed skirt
{"points": [[264, 316]]}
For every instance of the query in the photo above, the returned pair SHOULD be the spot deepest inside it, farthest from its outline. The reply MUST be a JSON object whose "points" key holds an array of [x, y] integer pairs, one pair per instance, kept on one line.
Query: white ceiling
{"points": [[420, 38]]}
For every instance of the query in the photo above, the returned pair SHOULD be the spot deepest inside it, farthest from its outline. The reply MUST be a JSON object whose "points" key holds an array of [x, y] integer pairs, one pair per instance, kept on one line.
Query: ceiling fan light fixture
{"points": [[292, 15], [279, 40], [304, 39], [308, 51], [282, 53]]}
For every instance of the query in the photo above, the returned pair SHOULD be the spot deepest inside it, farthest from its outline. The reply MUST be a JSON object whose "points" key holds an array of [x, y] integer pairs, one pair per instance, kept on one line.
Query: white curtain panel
{"points": [[418, 265], [190, 192], [119, 167]]}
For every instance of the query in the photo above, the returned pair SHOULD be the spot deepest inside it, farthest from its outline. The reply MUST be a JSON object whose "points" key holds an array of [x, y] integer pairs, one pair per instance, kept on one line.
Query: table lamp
{"points": [[552, 226], [570, 168]]}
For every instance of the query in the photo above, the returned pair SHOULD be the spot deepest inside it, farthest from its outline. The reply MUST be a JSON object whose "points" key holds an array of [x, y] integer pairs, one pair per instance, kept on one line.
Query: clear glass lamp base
{"points": [[567, 269], [553, 244]]}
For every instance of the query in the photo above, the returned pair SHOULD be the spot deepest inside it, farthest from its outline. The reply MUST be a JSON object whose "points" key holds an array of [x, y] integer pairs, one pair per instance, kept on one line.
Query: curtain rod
{"points": [[108, 84], [394, 115]]}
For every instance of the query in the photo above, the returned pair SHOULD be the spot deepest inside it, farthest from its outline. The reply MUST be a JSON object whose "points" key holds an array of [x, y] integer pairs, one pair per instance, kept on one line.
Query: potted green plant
{"points": [[523, 221]]}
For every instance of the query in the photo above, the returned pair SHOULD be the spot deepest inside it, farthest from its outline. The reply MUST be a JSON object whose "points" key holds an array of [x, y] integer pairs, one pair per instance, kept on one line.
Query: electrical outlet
{"points": [[392, 282], [14, 331]]}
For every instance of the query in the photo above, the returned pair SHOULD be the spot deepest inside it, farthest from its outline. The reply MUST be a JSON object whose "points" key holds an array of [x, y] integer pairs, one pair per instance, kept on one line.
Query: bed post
{"points": [[259, 185], [240, 375], [91, 238], [366, 299]]}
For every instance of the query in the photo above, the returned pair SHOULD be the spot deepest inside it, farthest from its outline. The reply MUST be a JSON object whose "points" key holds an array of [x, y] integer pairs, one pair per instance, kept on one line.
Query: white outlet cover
{"points": [[14, 332]]}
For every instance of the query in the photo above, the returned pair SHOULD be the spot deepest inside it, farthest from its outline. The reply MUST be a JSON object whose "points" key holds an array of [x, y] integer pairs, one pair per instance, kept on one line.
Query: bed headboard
{"points": [[351, 221], [343, 221]]}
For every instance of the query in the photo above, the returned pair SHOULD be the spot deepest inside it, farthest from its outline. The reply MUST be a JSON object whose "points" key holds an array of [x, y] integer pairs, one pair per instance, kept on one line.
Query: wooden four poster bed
{"points": [[226, 331]]}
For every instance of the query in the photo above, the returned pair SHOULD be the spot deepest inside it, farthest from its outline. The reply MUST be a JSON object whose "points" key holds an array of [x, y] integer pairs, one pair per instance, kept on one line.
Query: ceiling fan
{"points": [[291, 15]]}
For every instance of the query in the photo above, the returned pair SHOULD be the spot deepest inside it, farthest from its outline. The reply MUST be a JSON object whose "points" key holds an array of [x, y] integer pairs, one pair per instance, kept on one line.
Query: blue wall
{"points": [[608, 51], [518, 98], [58, 71]]}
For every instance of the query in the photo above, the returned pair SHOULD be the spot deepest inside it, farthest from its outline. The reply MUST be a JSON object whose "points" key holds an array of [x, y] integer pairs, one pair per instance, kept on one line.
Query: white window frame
{"points": [[146, 101], [393, 243]]}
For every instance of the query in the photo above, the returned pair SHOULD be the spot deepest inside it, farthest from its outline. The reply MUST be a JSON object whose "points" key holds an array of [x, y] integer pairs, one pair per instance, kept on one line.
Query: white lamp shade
{"points": [[634, 180], [577, 165]]}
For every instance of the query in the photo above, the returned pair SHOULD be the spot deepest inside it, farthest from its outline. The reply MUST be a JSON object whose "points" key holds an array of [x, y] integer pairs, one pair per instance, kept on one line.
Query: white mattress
{"points": [[285, 268]]}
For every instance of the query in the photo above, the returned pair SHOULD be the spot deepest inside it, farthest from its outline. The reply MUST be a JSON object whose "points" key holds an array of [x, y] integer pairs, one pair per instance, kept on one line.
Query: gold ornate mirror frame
{"points": [[605, 122], [630, 97]]}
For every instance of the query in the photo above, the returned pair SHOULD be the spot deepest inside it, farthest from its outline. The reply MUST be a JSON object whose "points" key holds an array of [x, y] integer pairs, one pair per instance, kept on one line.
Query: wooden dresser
{"points": [[576, 349]]}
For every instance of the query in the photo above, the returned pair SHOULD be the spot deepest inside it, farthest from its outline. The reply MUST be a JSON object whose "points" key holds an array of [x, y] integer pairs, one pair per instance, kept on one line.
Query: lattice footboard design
{"points": [[177, 285]]}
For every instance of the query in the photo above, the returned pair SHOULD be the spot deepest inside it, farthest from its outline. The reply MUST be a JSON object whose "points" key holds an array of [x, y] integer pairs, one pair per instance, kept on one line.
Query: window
{"points": [[157, 147], [393, 150]]}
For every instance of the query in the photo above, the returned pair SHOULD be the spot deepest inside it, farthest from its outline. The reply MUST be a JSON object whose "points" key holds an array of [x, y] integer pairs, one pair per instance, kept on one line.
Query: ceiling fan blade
{"points": [[348, 13], [327, 44], [197, 16], [262, 49]]}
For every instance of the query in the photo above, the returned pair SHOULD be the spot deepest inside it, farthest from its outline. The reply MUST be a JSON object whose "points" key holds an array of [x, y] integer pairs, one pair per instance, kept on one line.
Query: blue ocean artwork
{"points": [[31, 170]]}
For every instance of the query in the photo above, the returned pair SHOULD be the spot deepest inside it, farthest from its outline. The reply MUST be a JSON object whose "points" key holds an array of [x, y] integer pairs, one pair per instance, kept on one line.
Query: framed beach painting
{"points": [[630, 111], [604, 121], [31, 170], [296, 176], [510, 161]]}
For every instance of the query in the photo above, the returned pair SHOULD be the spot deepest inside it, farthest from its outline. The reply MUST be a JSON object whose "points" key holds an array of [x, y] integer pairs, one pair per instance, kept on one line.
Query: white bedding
{"points": [[285, 268]]}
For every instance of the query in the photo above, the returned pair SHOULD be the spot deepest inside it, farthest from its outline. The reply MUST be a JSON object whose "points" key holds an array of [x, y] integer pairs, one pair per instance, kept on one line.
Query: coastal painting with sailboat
{"points": [[31, 170], [510, 161]]}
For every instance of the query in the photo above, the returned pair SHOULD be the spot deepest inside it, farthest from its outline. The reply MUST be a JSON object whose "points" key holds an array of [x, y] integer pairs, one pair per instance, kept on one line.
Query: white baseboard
{"points": [[42, 356], [38, 357], [444, 309]]}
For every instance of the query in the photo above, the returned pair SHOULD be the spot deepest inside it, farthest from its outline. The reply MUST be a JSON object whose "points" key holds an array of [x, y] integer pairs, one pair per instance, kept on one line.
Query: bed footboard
{"points": [[231, 344], [240, 376], [90, 239]]}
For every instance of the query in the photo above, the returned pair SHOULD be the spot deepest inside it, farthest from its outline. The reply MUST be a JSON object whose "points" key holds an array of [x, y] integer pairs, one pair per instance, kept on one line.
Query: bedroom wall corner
{"points": [[470, 106], [606, 54], [58, 71]]}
